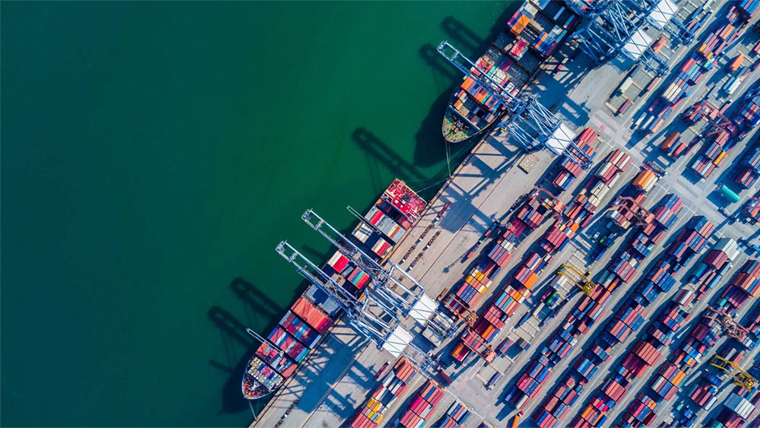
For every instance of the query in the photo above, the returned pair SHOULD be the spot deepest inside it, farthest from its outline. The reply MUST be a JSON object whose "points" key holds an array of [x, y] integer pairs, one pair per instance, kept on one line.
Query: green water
{"points": [[152, 153]]}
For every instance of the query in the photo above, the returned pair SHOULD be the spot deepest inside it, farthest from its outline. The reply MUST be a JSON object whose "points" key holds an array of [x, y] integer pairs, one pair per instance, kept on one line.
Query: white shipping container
{"points": [[739, 405], [522, 401], [613, 181], [615, 159], [711, 403], [603, 169], [726, 245], [362, 232], [624, 162]]}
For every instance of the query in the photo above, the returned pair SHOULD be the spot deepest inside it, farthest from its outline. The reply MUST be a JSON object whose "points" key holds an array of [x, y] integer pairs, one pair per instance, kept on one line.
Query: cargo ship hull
{"points": [[309, 319]]}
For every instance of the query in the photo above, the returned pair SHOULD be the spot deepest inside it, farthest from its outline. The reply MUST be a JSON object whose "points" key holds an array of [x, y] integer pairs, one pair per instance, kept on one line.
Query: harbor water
{"points": [[153, 154]]}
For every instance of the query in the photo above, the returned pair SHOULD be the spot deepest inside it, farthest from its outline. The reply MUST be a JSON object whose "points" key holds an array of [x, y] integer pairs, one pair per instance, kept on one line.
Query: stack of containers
{"points": [[696, 345], [465, 295], [747, 280], [628, 319], [713, 266], [580, 320], [558, 235], [645, 180], [476, 104], [671, 144], [422, 405], [346, 273], [696, 65], [500, 253], [640, 412], [663, 330], [488, 325], [532, 213], [263, 373], [283, 340], [626, 262], [627, 206], [669, 378], [472, 341], [692, 351], [748, 174], [528, 386], [752, 208], [666, 213], [749, 115], [686, 356], [579, 212], [582, 208], [705, 392], [704, 395], [569, 169], [738, 405], [545, 29], [691, 240], [753, 324], [713, 154], [629, 203], [709, 385], [392, 387], [276, 359], [456, 416], [300, 330], [687, 75], [616, 162], [530, 381], [385, 224]]}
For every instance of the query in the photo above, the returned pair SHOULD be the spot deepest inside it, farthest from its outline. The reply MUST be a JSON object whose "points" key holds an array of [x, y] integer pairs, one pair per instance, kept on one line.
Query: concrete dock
{"points": [[339, 376]]}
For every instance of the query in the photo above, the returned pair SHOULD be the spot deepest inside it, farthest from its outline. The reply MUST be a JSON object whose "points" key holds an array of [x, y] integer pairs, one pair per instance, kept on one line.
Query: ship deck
{"points": [[340, 374]]}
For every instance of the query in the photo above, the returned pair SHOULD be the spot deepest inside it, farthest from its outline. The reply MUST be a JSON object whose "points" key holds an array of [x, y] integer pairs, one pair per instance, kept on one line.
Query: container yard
{"points": [[612, 283]]}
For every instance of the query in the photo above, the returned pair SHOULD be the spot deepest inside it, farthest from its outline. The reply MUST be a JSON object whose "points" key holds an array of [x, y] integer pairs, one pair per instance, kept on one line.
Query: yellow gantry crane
{"points": [[580, 279], [741, 377], [731, 328]]}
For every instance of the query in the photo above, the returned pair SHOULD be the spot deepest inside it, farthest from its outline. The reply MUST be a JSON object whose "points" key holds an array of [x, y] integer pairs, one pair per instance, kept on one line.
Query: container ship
{"points": [[309, 319], [531, 36]]}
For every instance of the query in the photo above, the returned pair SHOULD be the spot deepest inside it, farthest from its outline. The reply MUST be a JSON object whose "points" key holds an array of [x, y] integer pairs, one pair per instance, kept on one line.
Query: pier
{"points": [[338, 377]]}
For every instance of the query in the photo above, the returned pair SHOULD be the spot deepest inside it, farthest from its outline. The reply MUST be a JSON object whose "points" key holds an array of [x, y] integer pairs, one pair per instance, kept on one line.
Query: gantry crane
{"points": [[614, 26], [529, 123], [741, 378], [370, 316], [714, 116], [383, 281], [580, 279], [731, 328]]}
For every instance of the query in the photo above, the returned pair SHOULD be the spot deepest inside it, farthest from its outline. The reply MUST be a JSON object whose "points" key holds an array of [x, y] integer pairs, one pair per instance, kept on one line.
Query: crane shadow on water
{"points": [[259, 306], [431, 147], [237, 344], [234, 338]]}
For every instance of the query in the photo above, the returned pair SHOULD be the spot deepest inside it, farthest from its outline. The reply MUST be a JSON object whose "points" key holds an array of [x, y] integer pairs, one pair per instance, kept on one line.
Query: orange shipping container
{"points": [[668, 142], [736, 63], [531, 280]]}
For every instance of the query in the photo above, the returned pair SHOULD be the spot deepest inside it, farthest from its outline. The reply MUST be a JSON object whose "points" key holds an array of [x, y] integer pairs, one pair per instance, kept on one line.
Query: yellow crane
{"points": [[741, 377], [580, 279]]}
